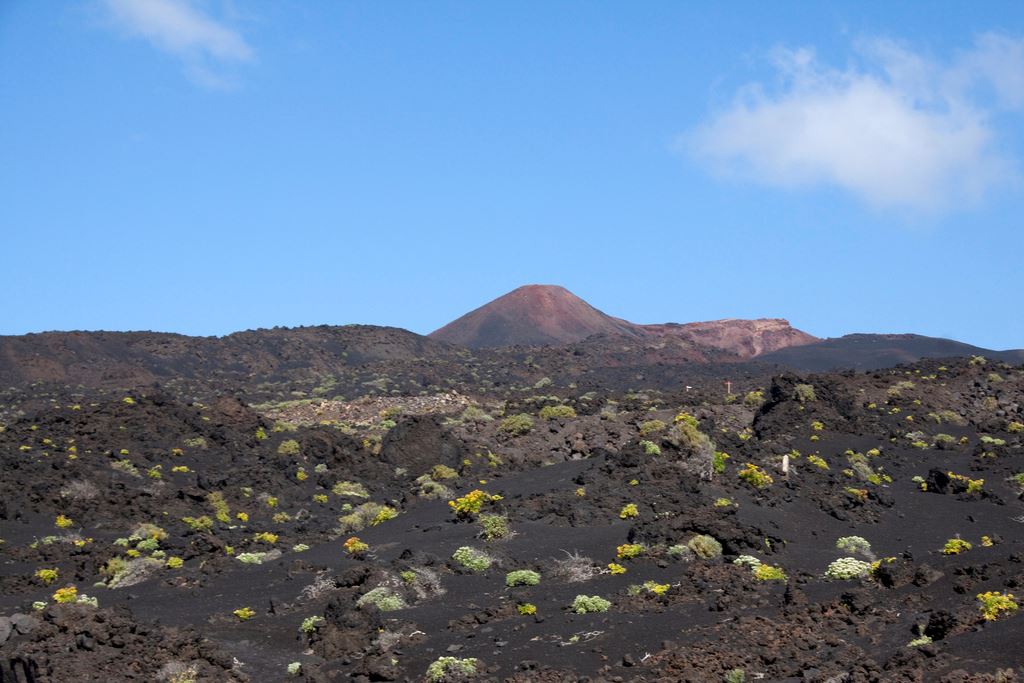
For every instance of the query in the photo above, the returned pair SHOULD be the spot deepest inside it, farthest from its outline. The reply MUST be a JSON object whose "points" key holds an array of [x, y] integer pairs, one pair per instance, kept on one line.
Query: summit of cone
{"points": [[532, 315]]}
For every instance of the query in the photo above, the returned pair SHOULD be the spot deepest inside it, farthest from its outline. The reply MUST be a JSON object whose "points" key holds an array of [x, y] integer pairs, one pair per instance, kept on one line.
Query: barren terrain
{"points": [[225, 536]]}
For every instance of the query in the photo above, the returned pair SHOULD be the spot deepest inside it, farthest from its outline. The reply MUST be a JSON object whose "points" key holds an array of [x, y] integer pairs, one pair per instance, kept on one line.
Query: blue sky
{"points": [[211, 166]]}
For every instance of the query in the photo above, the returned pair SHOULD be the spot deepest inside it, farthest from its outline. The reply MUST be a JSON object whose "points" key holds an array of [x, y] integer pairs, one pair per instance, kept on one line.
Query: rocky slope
{"points": [[744, 339], [850, 527]]}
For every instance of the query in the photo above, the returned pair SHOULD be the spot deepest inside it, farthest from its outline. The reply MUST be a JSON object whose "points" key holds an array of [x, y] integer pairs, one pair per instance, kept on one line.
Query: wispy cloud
{"points": [[895, 129], [205, 46]]}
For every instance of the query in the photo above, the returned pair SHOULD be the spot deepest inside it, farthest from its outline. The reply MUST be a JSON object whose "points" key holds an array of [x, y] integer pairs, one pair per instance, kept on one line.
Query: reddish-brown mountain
{"points": [[537, 315], [533, 315]]}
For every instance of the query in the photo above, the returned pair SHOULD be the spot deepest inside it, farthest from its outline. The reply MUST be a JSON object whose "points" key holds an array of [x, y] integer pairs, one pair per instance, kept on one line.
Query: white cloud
{"points": [[896, 129], [178, 27]]}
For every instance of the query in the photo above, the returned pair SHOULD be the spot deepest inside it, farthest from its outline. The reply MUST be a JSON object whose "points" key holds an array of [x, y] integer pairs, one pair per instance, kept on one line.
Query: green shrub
{"points": [[735, 676], [748, 561], [355, 546], [680, 552], [220, 506], [705, 547], [203, 523], [516, 425], [442, 473], [629, 511], [148, 530], [475, 414], [559, 412], [47, 576], [362, 516], [695, 444], [310, 624], [494, 527], [126, 466], [955, 546], [384, 514], [383, 598], [430, 489], [652, 587], [472, 559], [896, 390], [444, 669], [949, 416], [251, 558], [754, 399], [755, 476], [522, 577], [817, 461], [471, 503], [147, 545], [718, 461], [804, 393], [289, 447], [686, 417], [651, 426], [244, 613], [993, 604], [650, 448], [628, 551], [350, 488], [586, 604], [854, 544], [846, 568], [766, 572], [859, 495]]}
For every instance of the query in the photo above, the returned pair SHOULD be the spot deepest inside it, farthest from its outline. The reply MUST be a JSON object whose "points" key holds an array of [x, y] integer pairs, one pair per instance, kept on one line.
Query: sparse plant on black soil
{"points": [[586, 604], [705, 547], [522, 577], [472, 559], [516, 425]]}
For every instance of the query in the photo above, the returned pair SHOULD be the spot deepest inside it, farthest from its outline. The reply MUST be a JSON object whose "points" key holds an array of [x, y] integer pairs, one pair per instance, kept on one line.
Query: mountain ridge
{"points": [[870, 351], [538, 315], [534, 321]]}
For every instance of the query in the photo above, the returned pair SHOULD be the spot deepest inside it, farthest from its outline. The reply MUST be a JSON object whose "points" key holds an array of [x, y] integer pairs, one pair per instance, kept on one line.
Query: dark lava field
{"points": [[517, 524]]}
